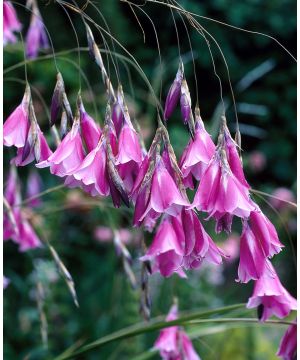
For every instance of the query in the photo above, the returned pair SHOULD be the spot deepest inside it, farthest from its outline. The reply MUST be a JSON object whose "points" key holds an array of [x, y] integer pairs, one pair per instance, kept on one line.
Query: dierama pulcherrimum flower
{"points": [[68, 155], [153, 199], [221, 194], [90, 130], [174, 92], [265, 233], [15, 128], [173, 343], [36, 37], [10, 23], [34, 186], [253, 258], [288, 344], [270, 297], [197, 153]]}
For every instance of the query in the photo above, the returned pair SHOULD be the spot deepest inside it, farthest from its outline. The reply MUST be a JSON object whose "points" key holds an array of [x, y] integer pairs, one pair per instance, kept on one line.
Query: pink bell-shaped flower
{"points": [[197, 153], [173, 343], [288, 344], [271, 297], [129, 146], [10, 23], [15, 128], [68, 155], [265, 233], [220, 193], [90, 131], [253, 259]]}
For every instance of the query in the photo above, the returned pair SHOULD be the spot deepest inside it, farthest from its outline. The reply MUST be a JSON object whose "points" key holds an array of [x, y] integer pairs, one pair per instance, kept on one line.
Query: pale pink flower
{"points": [[197, 154], [155, 198], [68, 155], [221, 194], [265, 232], [15, 128], [10, 23], [173, 343], [288, 344], [36, 37], [27, 238], [91, 173], [253, 258], [231, 247], [90, 130], [271, 297], [129, 146], [105, 234]]}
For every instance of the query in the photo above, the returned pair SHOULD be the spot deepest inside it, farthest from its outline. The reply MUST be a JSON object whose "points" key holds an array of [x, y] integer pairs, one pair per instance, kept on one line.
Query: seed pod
{"points": [[57, 98], [174, 92]]}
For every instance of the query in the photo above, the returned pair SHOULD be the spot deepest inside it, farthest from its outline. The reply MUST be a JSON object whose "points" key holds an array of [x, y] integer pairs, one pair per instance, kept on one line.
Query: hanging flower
{"points": [[34, 186], [288, 344], [68, 155], [221, 194], [15, 128], [10, 23], [253, 259], [197, 153], [173, 343], [270, 297], [90, 131], [36, 37]]}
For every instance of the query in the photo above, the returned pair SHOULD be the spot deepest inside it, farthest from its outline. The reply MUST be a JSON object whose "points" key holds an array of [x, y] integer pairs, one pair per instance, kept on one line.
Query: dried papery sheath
{"points": [[57, 98], [174, 92], [186, 107], [63, 125], [15, 128], [96, 55], [67, 107]]}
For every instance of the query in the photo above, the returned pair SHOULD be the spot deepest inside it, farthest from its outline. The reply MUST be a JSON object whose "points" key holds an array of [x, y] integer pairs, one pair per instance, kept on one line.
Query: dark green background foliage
{"points": [[107, 302]]}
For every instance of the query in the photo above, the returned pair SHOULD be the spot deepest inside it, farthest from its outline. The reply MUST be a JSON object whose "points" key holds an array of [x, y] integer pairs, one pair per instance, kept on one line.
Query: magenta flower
{"points": [[10, 23], [173, 343], [117, 117], [34, 186], [167, 248], [36, 37], [91, 173], [15, 128], [221, 194], [253, 259], [198, 244], [271, 297], [233, 158], [90, 131], [68, 155], [129, 146], [288, 344], [39, 150], [197, 154], [265, 233], [153, 197], [174, 93], [27, 238]]}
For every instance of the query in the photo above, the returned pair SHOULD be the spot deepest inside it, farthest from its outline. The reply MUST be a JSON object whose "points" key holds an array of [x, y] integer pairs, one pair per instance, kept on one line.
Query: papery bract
{"points": [[288, 344], [271, 296], [10, 23]]}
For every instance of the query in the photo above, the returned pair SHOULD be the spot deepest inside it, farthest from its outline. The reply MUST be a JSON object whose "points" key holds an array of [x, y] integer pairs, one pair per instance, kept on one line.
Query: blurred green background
{"points": [[264, 81]]}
